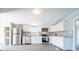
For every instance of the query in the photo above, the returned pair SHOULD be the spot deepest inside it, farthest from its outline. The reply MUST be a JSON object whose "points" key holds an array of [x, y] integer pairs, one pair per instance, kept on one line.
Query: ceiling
{"points": [[48, 16], [2, 10]]}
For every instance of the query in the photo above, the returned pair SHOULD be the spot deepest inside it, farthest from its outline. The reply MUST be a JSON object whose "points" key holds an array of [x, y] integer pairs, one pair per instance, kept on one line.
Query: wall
{"points": [[1, 36], [71, 26]]}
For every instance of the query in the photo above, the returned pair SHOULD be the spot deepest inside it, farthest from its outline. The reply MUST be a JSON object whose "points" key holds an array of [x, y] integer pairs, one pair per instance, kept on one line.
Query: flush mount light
{"points": [[36, 11]]}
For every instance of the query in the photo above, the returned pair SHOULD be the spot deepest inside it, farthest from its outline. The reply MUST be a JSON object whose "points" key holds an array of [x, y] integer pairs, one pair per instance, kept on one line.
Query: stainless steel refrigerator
{"points": [[16, 36]]}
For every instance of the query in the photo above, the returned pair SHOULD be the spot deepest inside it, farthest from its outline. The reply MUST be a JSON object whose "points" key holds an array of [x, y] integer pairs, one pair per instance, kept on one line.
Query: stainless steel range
{"points": [[45, 38]]}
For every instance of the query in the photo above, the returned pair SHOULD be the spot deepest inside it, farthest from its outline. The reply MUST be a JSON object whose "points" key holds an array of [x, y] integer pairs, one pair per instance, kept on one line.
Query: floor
{"points": [[32, 47]]}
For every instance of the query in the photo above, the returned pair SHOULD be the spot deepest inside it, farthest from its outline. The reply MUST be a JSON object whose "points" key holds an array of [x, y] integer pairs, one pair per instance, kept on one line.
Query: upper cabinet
{"points": [[51, 28], [60, 26], [26, 28], [64, 25], [35, 30], [57, 27]]}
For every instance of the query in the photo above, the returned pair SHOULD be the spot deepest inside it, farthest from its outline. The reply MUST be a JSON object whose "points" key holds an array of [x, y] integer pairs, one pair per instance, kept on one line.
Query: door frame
{"points": [[74, 32]]}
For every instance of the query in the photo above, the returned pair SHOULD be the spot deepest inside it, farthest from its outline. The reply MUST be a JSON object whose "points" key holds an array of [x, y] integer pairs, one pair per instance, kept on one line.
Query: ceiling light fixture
{"points": [[36, 11]]}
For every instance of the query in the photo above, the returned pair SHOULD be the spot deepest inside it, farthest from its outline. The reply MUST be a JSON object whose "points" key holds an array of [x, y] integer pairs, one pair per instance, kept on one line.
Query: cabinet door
{"points": [[39, 39], [26, 28], [50, 40], [36, 39], [52, 28], [28, 40], [54, 41], [60, 26], [33, 39], [57, 27], [60, 40]]}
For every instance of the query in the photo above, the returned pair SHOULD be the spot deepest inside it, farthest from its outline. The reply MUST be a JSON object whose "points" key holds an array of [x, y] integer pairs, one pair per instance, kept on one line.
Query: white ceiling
{"points": [[2, 10], [48, 16]]}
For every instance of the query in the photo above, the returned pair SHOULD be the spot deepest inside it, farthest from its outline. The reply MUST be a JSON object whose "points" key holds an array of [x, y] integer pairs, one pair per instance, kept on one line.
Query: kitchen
{"points": [[30, 27]]}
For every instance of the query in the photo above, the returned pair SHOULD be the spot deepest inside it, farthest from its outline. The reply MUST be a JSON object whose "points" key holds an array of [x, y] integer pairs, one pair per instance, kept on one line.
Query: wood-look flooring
{"points": [[32, 47]]}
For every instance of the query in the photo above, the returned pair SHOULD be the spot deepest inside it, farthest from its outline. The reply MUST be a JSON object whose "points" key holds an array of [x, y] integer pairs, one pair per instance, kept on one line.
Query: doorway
{"points": [[77, 34]]}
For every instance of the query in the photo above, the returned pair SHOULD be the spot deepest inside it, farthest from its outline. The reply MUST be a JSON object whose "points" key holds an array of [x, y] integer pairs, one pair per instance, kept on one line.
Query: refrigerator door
{"points": [[14, 39], [16, 36], [23, 40]]}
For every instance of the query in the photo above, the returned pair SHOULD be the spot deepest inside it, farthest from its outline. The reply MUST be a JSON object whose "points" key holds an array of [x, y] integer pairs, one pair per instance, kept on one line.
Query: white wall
{"points": [[71, 26], [1, 36]]}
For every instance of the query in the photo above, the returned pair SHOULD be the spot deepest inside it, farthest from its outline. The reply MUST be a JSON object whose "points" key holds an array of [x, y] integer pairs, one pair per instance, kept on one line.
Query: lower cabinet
{"points": [[26, 40], [62, 42], [50, 40], [58, 41], [36, 39]]}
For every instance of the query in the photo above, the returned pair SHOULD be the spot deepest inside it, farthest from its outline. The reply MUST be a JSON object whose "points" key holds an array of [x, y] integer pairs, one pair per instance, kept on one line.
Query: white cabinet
{"points": [[63, 43], [36, 39], [57, 27], [58, 41], [26, 39], [50, 40], [52, 28], [61, 40], [26, 28], [60, 26]]}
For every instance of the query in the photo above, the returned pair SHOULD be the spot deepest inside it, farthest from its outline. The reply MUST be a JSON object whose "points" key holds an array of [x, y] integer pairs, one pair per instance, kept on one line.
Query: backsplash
{"points": [[62, 33]]}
